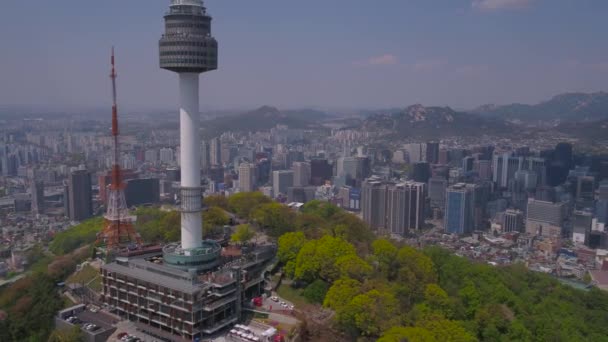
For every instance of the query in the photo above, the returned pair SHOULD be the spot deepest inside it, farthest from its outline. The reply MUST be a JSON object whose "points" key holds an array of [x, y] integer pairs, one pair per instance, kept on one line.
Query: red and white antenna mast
{"points": [[119, 229]]}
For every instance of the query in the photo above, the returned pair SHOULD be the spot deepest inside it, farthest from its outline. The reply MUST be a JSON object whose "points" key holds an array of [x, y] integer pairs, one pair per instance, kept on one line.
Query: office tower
{"points": [[247, 177], [581, 225], [151, 156], [525, 181], [513, 221], [504, 167], [560, 164], [545, 218], [444, 157], [585, 188], [405, 207], [142, 191], [301, 194], [460, 209], [421, 172], [416, 152], [205, 156], [320, 171], [264, 167], [484, 169], [80, 196], [37, 192], [216, 174], [437, 188], [281, 181], [350, 198], [373, 203], [432, 152], [601, 211], [467, 164], [399, 157], [166, 155], [301, 173], [602, 190], [229, 152], [538, 166], [215, 151]]}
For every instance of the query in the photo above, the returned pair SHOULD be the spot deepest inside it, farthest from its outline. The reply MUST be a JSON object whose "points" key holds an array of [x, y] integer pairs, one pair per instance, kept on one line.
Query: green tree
{"points": [[243, 203], [317, 259], [219, 201], [289, 247], [275, 218], [407, 334], [341, 293], [352, 266], [214, 218], [243, 234], [372, 312], [437, 299], [315, 292], [77, 236]]}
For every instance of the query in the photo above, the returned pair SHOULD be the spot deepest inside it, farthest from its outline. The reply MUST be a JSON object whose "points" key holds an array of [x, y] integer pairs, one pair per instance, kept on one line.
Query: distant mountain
{"points": [[432, 122], [263, 118], [564, 107]]}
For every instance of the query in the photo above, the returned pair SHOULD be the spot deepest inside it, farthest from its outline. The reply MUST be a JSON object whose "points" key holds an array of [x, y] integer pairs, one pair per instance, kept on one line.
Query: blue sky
{"points": [[324, 53]]}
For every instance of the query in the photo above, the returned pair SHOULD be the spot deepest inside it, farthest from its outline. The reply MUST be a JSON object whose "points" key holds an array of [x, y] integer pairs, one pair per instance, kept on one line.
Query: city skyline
{"points": [[459, 53]]}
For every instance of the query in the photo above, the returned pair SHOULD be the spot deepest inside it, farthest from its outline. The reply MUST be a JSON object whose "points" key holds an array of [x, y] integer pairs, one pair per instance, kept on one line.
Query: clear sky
{"points": [[294, 53]]}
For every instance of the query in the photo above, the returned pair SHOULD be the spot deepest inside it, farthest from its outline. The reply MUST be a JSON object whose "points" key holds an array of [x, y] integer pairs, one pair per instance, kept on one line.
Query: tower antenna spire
{"points": [[119, 228]]}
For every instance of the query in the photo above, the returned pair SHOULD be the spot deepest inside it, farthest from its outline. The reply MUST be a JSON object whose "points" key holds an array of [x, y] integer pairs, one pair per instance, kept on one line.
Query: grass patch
{"points": [[86, 275], [293, 295], [67, 302]]}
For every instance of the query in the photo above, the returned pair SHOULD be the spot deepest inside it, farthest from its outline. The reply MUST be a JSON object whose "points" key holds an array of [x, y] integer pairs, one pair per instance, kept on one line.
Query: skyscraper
{"points": [[80, 196], [460, 209], [437, 188], [205, 157], [215, 151], [513, 221], [432, 152], [421, 172], [545, 218], [320, 171], [247, 177], [37, 191], [301, 173], [373, 203], [405, 207], [281, 181]]}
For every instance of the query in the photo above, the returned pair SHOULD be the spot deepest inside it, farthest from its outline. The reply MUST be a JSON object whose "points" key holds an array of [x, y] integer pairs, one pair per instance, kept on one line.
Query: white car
{"points": [[274, 298]]}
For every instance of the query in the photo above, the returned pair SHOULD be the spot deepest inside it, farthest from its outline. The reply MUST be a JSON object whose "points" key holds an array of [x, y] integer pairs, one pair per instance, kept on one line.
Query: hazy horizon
{"points": [[339, 55]]}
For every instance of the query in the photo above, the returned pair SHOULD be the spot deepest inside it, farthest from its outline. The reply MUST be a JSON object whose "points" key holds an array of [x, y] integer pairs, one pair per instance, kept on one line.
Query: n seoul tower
{"points": [[188, 49]]}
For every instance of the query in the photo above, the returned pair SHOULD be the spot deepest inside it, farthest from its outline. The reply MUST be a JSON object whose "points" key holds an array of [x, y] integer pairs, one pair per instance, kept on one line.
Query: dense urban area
{"points": [[413, 224]]}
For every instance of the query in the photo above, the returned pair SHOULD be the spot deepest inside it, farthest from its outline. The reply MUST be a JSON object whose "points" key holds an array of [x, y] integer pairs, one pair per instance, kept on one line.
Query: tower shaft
{"points": [[191, 192]]}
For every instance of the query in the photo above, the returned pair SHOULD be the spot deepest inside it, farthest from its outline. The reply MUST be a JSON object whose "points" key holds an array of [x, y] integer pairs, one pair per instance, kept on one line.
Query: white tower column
{"points": [[191, 193]]}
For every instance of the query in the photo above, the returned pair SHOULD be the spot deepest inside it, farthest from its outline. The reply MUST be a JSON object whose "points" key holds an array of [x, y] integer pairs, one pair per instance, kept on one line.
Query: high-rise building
{"points": [[460, 209], [437, 188], [166, 156], [483, 168], [301, 173], [80, 196], [205, 157], [320, 171], [247, 177], [513, 221], [545, 218], [416, 152], [281, 181], [373, 203], [421, 172], [301, 194], [37, 192], [585, 188], [215, 151], [432, 152], [142, 191], [151, 155], [504, 167], [405, 207]]}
